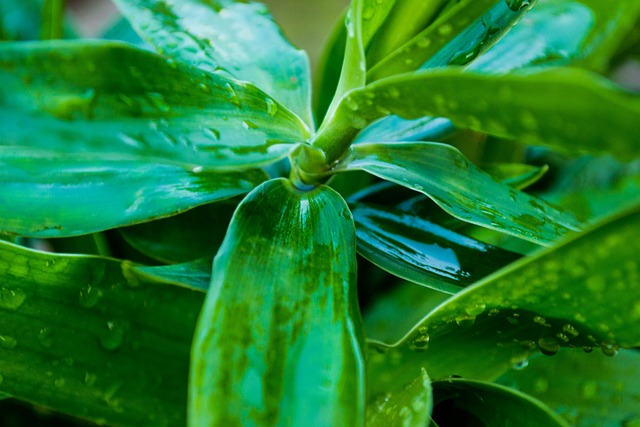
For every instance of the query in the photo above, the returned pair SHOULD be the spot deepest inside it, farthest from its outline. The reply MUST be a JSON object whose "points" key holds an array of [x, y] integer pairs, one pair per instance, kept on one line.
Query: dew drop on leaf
{"points": [[111, 339], [445, 29], [517, 5], [11, 299], [60, 382], [89, 296], [609, 349], [272, 107], [45, 337], [465, 320], [548, 346], [8, 342]]}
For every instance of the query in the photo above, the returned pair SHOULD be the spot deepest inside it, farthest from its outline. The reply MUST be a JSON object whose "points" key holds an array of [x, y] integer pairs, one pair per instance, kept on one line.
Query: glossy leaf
{"points": [[393, 128], [589, 390], [562, 108], [516, 175], [563, 296], [456, 37], [423, 252], [456, 185], [238, 39], [195, 275], [48, 194], [408, 406], [489, 404], [403, 21], [185, 237], [277, 342], [354, 66], [77, 336], [329, 68], [146, 105], [135, 142]]}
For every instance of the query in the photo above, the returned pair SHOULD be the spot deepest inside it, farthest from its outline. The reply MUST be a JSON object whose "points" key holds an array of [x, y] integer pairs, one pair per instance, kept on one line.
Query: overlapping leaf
{"points": [[590, 390], [423, 252], [278, 339], [490, 404], [457, 37], [445, 175], [582, 294], [564, 108], [236, 38], [118, 145], [77, 336]]}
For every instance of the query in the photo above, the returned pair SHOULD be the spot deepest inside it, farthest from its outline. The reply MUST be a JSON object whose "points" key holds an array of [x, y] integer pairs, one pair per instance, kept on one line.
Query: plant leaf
{"points": [[393, 128], [423, 252], [591, 390], [530, 106], [563, 296], [185, 237], [456, 37], [146, 105], [489, 404], [516, 175], [329, 68], [408, 406], [49, 194], [195, 275], [457, 186], [278, 338], [235, 38], [144, 139], [78, 337]]}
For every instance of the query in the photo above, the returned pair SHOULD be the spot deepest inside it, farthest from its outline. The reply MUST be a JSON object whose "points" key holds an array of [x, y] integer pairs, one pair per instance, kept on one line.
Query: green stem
{"points": [[53, 19]]}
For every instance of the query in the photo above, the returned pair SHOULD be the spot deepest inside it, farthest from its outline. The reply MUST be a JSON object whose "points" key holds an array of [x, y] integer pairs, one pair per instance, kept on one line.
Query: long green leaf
{"points": [[277, 342], [236, 38], [564, 108], [117, 136], [457, 36], [78, 337], [589, 390], [489, 404], [423, 252], [185, 237], [456, 185], [563, 296], [108, 97], [195, 275], [408, 406]]}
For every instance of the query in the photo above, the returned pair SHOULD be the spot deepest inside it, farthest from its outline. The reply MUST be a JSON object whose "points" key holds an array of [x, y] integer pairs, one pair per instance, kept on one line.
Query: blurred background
{"points": [[307, 23]]}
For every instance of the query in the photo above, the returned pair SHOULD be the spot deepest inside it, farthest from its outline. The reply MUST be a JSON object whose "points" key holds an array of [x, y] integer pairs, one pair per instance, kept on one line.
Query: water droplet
{"points": [[590, 390], [157, 101], [248, 124], [518, 366], [232, 95], [204, 88], [90, 379], [476, 309], [528, 345], [609, 349], [272, 107], [212, 133], [548, 346], [465, 320], [172, 64], [517, 5], [367, 13], [596, 283], [445, 29], [562, 337], [8, 342], [89, 296], [423, 330], [11, 299], [111, 339], [45, 337], [60, 382], [352, 104], [197, 169], [424, 42], [110, 398], [394, 93], [540, 320], [587, 349], [421, 342], [570, 330]]}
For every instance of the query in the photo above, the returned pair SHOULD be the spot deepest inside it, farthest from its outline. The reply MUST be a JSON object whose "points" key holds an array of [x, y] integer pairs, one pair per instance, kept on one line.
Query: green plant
{"points": [[101, 135]]}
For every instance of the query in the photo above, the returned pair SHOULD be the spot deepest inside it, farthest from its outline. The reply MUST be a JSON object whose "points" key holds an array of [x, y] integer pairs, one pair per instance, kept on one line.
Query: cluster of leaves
{"points": [[430, 118]]}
